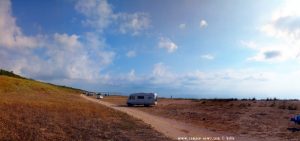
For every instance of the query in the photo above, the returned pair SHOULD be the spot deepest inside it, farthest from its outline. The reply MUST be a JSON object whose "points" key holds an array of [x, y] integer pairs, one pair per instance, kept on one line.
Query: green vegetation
{"points": [[9, 73]]}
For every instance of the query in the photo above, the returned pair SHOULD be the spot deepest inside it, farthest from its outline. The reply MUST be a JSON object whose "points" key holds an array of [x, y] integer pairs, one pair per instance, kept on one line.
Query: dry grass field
{"points": [[267, 120], [31, 110]]}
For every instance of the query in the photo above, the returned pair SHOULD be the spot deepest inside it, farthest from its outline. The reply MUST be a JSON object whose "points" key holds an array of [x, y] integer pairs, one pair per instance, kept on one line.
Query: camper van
{"points": [[99, 96], [145, 99]]}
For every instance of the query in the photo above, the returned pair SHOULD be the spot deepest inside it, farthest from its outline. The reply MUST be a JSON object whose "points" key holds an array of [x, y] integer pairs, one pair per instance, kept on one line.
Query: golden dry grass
{"points": [[31, 110], [119, 100]]}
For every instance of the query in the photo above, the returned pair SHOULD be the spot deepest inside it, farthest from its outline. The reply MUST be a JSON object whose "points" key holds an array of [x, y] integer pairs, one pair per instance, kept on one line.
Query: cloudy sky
{"points": [[183, 48]]}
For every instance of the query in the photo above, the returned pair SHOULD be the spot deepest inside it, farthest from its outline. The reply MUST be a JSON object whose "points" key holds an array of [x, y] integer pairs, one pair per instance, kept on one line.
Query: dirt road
{"points": [[172, 128]]}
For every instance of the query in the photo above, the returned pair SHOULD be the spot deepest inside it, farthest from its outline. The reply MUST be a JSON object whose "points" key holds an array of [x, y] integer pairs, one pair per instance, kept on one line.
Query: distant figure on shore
{"points": [[296, 119]]}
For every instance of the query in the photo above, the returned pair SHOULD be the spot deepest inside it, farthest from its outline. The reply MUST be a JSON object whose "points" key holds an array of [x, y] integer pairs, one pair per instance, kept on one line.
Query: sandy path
{"points": [[169, 127]]}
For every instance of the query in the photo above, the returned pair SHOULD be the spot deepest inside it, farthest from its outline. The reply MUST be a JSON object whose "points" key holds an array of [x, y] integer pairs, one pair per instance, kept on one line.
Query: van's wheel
{"points": [[146, 105], [129, 105]]}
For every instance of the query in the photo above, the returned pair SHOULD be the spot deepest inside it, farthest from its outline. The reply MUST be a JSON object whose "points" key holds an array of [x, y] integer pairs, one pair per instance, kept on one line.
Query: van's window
{"points": [[132, 97], [149, 97], [140, 97]]}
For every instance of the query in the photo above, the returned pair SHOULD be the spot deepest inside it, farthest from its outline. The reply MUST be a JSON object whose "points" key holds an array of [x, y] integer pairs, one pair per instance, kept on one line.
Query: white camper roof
{"points": [[144, 94]]}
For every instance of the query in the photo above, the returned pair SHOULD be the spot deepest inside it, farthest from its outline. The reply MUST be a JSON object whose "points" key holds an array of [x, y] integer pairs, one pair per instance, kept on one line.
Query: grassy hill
{"points": [[31, 110]]}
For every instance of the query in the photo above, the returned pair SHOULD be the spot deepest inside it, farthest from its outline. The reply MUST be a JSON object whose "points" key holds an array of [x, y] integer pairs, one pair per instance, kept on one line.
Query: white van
{"points": [[145, 99], [99, 96]]}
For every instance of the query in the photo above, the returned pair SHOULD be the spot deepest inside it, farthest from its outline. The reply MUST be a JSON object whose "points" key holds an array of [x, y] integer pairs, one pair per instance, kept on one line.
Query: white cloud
{"points": [[285, 22], [182, 26], [221, 80], [167, 44], [271, 53], [11, 34], [283, 27], [208, 57], [133, 23], [131, 54], [203, 24], [94, 40], [67, 59], [275, 53], [100, 15], [67, 41], [233, 81], [105, 57], [162, 75], [94, 44], [60, 57], [266, 53], [76, 60], [131, 75], [249, 44], [160, 70]]}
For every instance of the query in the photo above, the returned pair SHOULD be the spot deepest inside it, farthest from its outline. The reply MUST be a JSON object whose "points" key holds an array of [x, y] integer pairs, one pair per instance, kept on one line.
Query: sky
{"points": [[179, 48]]}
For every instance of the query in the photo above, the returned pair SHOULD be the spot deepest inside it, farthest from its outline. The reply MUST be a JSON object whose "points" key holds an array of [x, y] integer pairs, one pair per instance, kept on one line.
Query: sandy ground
{"points": [[170, 127]]}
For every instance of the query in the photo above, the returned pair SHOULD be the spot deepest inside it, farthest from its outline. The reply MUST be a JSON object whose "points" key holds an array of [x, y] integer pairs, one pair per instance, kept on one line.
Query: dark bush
{"points": [[292, 107]]}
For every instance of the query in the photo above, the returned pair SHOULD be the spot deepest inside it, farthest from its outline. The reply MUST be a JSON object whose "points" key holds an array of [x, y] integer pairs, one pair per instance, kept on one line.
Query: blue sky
{"points": [[183, 48]]}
